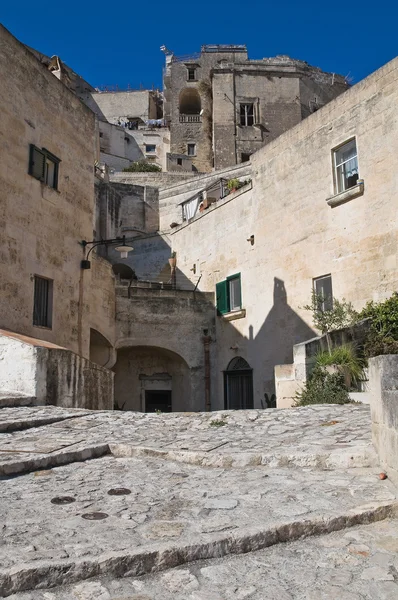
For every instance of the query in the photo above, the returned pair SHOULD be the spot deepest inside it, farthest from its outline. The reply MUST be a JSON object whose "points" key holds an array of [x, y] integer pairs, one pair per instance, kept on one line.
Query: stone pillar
{"points": [[383, 383]]}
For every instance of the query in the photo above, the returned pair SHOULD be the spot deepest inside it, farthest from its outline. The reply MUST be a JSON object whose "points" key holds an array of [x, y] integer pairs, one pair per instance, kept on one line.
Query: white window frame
{"points": [[340, 178], [234, 303], [327, 303], [246, 116]]}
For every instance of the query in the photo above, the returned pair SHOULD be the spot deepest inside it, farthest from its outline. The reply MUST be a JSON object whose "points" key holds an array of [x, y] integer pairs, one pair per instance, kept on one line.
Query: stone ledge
{"points": [[233, 315], [347, 195], [158, 557]]}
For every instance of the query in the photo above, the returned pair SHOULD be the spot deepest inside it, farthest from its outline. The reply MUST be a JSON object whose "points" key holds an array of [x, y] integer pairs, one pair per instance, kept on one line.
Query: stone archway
{"points": [[190, 102], [149, 378]]}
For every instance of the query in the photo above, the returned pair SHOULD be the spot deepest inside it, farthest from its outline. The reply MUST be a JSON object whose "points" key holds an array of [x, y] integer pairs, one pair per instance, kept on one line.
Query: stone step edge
{"points": [[12, 401], [32, 422], [330, 460], [47, 574], [49, 461]]}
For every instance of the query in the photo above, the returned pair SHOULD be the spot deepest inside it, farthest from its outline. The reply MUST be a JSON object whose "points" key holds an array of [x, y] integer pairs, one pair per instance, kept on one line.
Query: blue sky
{"points": [[118, 43]]}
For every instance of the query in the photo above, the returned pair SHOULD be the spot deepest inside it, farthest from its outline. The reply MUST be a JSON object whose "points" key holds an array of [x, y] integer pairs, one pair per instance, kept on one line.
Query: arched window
{"points": [[190, 103], [238, 385]]}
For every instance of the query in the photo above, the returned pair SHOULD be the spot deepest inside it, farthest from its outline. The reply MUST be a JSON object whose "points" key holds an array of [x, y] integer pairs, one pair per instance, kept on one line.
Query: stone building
{"points": [[320, 212], [209, 301], [221, 106]]}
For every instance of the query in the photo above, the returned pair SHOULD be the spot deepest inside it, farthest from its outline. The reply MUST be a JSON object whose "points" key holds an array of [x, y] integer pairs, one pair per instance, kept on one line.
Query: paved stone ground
{"points": [[360, 563], [202, 486], [325, 436]]}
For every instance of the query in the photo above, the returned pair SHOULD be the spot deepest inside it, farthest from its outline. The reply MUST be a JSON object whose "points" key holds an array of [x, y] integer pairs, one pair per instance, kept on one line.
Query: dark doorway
{"points": [[238, 385], [157, 400]]}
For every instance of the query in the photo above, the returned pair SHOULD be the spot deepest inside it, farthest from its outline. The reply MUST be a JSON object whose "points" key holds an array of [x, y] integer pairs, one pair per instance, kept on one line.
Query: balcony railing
{"points": [[190, 118]]}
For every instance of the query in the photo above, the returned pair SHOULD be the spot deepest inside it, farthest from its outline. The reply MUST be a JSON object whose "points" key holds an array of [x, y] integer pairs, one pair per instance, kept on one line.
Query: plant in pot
{"points": [[173, 260], [233, 185]]}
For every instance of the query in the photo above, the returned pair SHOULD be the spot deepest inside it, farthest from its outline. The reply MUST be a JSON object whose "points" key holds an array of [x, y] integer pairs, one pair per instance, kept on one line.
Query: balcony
{"points": [[190, 118]]}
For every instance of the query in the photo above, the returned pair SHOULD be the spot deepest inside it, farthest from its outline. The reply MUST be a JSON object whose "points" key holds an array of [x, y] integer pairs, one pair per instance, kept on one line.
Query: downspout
{"points": [[206, 346]]}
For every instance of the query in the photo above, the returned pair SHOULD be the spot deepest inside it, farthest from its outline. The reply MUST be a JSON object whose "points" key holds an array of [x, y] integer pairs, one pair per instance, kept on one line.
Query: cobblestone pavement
{"points": [[188, 487], [328, 436], [358, 564]]}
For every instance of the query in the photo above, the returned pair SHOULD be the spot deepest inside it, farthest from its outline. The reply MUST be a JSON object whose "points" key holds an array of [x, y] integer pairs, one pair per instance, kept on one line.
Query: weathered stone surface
{"points": [[197, 492], [317, 568]]}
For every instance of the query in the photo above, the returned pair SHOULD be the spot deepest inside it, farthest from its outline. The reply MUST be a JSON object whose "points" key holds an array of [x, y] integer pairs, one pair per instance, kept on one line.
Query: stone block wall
{"points": [[383, 382], [53, 375]]}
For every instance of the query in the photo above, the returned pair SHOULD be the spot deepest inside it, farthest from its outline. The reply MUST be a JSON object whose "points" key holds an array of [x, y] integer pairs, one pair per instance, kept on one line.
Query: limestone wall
{"points": [[383, 380], [53, 375], [297, 235], [41, 226]]}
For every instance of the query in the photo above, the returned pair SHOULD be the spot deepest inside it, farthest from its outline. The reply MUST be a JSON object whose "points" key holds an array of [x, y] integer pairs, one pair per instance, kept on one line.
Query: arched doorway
{"points": [[190, 103], [123, 271], [238, 385], [150, 379]]}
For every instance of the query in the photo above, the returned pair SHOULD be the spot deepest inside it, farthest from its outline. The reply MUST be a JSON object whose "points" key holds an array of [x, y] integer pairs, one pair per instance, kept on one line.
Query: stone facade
{"points": [[43, 225], [383, 379], [301, 230], [206, 95]]}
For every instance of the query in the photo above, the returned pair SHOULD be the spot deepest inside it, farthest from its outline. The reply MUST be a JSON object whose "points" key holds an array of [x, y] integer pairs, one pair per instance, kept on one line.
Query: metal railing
{"points": [[190, 118]]}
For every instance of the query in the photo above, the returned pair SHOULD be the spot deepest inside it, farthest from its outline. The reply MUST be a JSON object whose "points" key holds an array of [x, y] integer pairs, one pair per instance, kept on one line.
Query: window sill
{"points": [[233, 315], [347, 195]]}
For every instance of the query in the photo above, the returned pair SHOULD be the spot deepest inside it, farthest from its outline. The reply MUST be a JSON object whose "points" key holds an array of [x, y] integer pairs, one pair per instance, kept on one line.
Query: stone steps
{"points": [[14, 399], [159, 557]]}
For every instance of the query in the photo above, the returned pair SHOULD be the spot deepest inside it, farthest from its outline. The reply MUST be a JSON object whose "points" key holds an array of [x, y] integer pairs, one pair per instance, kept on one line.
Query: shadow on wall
{"points": [[271, 346]]}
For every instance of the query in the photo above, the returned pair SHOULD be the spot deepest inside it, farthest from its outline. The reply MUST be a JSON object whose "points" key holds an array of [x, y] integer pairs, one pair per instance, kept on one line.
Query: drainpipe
{"points": [[206, 346]]}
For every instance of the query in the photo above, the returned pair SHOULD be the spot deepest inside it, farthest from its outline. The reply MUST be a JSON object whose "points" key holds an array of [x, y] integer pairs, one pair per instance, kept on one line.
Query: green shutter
{"points": [[37, 161], [222, 297]]}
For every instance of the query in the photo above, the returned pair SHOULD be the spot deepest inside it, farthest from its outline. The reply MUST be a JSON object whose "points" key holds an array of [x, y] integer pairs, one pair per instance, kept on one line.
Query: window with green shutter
{"points": [[228, 294], [222, 297]]}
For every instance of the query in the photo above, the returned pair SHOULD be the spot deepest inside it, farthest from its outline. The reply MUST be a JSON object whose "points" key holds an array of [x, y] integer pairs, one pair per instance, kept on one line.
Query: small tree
{"points": [[341, 315]]}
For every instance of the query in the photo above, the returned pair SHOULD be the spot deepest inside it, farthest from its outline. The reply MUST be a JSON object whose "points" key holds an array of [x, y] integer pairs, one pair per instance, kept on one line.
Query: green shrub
{"points": [[323, 388], [383, 333], [142, 167], [346, 357]]}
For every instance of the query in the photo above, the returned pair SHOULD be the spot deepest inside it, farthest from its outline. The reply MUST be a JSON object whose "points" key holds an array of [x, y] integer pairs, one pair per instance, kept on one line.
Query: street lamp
{"points": [[123, 248]]}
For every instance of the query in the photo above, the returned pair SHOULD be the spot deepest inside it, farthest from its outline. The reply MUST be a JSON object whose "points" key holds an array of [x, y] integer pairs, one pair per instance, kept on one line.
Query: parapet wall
{"points": [[383, 379]]}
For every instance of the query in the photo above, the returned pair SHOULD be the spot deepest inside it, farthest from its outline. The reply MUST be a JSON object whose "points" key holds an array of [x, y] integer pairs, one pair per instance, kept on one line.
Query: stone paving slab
{"points": [[325, 436], [16, 418], [358, 564], [171, 509]]}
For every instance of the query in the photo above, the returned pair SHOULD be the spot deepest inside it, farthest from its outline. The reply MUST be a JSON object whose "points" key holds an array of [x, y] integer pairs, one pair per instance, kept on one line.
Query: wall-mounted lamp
{"points": [[251, 240], [123, 248], [193, 269]]}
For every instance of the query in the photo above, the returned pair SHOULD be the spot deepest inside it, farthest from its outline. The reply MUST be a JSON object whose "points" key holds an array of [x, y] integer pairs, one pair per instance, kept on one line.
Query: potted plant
{"points": [[173, 260], [233, 185]]}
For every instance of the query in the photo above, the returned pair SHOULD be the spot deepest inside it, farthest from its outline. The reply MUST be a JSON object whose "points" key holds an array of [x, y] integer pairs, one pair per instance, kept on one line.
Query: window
{"points": [[42, 302], [179, 161], [246, 114], [346, 166], [150, 148], [228, 293], [191, 74], [191, 148], [324, 292], [244, 157], [44, 166]]}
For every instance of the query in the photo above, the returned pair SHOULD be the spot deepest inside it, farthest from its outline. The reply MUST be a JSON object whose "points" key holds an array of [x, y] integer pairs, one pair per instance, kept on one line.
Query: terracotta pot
{"points": [[173, 262]]}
